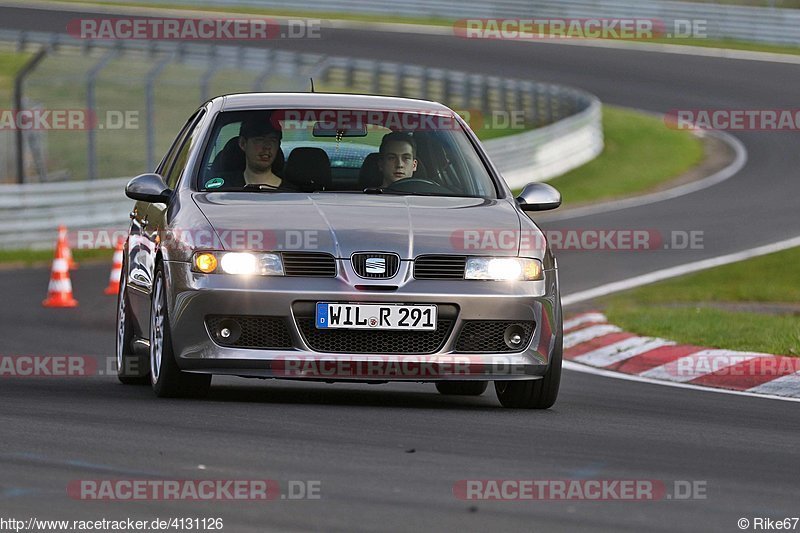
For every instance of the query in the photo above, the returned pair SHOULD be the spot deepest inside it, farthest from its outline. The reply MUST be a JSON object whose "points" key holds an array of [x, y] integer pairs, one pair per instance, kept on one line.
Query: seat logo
{"points": [[376, 265]]}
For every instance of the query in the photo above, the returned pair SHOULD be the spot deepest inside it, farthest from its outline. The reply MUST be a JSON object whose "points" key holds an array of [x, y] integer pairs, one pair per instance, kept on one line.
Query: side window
{"points": [[181, 156], [170, 156]]}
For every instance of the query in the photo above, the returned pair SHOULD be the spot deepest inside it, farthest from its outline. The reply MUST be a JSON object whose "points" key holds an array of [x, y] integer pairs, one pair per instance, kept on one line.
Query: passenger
{"points": [[398, 157]]}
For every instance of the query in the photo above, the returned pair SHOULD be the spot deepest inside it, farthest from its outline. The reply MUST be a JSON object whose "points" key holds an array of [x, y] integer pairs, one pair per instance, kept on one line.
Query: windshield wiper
{"points": [[260, 187], [383, 190]]}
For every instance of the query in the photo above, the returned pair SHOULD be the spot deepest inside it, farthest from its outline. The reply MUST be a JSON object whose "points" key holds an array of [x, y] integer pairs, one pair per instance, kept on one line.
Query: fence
{"points": [[568, 121]]}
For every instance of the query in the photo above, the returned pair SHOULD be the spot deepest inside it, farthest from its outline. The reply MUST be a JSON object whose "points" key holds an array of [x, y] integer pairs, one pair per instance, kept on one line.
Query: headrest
{"points": [[309, 169]]}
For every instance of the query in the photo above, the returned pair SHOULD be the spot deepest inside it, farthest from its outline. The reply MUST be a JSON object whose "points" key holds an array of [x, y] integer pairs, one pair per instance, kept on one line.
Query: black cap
{"points": [[260, 124]]}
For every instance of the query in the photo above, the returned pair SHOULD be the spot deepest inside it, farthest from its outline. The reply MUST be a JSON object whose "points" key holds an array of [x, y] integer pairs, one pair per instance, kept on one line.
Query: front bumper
{"points": [[193, 297]]}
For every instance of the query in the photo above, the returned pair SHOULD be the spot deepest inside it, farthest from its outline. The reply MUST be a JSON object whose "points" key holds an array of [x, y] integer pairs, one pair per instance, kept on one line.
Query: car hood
{"points": [[341, 224]]}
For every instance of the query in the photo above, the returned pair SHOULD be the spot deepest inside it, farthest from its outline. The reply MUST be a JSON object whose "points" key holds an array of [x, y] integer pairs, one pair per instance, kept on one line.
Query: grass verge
{"points": [[29, 258], [640, 153], [703, 308], [10, 63]]}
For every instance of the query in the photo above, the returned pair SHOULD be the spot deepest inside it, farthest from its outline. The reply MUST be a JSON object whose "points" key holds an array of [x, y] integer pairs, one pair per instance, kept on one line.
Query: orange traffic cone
{"points": [[62, 237], [116, 269], [59, 292]]}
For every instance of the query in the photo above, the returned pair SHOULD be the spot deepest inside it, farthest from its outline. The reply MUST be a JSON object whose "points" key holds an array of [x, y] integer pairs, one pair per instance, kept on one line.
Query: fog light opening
{"points": [[228, 331], [514, 336]]}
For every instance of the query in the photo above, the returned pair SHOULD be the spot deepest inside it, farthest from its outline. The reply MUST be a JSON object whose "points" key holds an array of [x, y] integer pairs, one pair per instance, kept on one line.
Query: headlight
{"points": [[238, 263], [503, 268]]}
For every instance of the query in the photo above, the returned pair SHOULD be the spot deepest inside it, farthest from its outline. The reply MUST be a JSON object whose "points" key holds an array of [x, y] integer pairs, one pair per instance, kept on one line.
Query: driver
{"points": [[398, 157]]}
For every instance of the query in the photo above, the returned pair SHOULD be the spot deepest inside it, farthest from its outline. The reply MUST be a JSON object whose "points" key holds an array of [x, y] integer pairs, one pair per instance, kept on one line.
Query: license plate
{"points": [[376, 316]]}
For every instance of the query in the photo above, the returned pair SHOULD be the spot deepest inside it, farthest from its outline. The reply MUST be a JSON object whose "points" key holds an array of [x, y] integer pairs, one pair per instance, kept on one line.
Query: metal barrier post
{"points": [[91, 78], [258, 84], [19, 80], [212, 69], [149, 106]]}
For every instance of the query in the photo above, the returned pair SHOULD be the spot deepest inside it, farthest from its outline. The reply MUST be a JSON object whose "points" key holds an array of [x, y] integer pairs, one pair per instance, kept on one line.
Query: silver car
{"points": [[333, 237]]}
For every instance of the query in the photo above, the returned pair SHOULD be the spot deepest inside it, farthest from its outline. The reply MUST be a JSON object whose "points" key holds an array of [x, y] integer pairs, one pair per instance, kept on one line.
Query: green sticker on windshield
{"points": [[215, 183]]}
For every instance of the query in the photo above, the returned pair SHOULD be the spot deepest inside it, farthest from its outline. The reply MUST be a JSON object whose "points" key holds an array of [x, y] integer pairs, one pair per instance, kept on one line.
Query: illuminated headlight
{"points": [[238, 263], [503, 268]]}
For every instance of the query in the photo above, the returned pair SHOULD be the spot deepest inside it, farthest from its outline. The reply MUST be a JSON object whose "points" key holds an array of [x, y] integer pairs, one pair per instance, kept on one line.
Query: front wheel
{"points": [[132, 369], [534, 394], [167, 379]]}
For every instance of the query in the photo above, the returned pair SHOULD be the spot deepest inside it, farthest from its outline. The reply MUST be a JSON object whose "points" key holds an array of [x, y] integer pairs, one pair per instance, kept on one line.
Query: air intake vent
{"points": [[489, 336], [250, 331], [440, 266], [309, 264], [376, 265]]}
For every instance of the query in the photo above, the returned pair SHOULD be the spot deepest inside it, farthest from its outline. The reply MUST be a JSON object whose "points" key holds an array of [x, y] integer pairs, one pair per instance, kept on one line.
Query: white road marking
{"points": [[740, 159], [788, 385], [698, 364], [622, 350], [587, 334], [586, 318], [586, 369], [666, 273]]}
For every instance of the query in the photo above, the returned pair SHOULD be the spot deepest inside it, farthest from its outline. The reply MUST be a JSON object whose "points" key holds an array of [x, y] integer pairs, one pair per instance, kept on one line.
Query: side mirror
{"points": [[539, 197], [148, 188]]}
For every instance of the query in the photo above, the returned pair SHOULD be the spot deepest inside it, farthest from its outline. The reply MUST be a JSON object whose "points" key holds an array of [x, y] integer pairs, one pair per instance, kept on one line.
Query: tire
{"points": [[462, 388], [168, 380], [534, 394], [132, 369]]}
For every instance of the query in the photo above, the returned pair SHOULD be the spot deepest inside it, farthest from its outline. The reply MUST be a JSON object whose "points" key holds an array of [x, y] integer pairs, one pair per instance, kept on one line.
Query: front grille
{"points": [[255, 331], [309, 264], [487, 335], [440, 266], [375, 265], [374, 342]]}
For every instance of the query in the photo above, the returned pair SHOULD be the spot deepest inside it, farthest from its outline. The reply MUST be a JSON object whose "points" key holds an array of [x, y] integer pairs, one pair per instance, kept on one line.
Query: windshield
{"points": [[374, 152]]}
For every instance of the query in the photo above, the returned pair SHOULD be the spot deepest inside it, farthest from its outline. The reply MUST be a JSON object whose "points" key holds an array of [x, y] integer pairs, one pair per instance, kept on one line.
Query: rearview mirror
{"points": [[539, 197], [148, 188], [331, 129]]}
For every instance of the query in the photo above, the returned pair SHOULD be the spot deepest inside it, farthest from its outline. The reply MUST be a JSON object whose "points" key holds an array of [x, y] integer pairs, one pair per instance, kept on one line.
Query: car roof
{"points": [[246, 101]]}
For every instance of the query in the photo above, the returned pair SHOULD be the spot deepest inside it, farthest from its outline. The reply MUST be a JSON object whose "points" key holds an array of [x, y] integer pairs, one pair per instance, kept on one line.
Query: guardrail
{"points": [[31, 213], [761, 24], [568, 126]]}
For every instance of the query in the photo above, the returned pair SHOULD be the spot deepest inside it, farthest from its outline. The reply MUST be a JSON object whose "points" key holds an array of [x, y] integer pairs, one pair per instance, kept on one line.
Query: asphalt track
{"points": [[388, 456]]}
